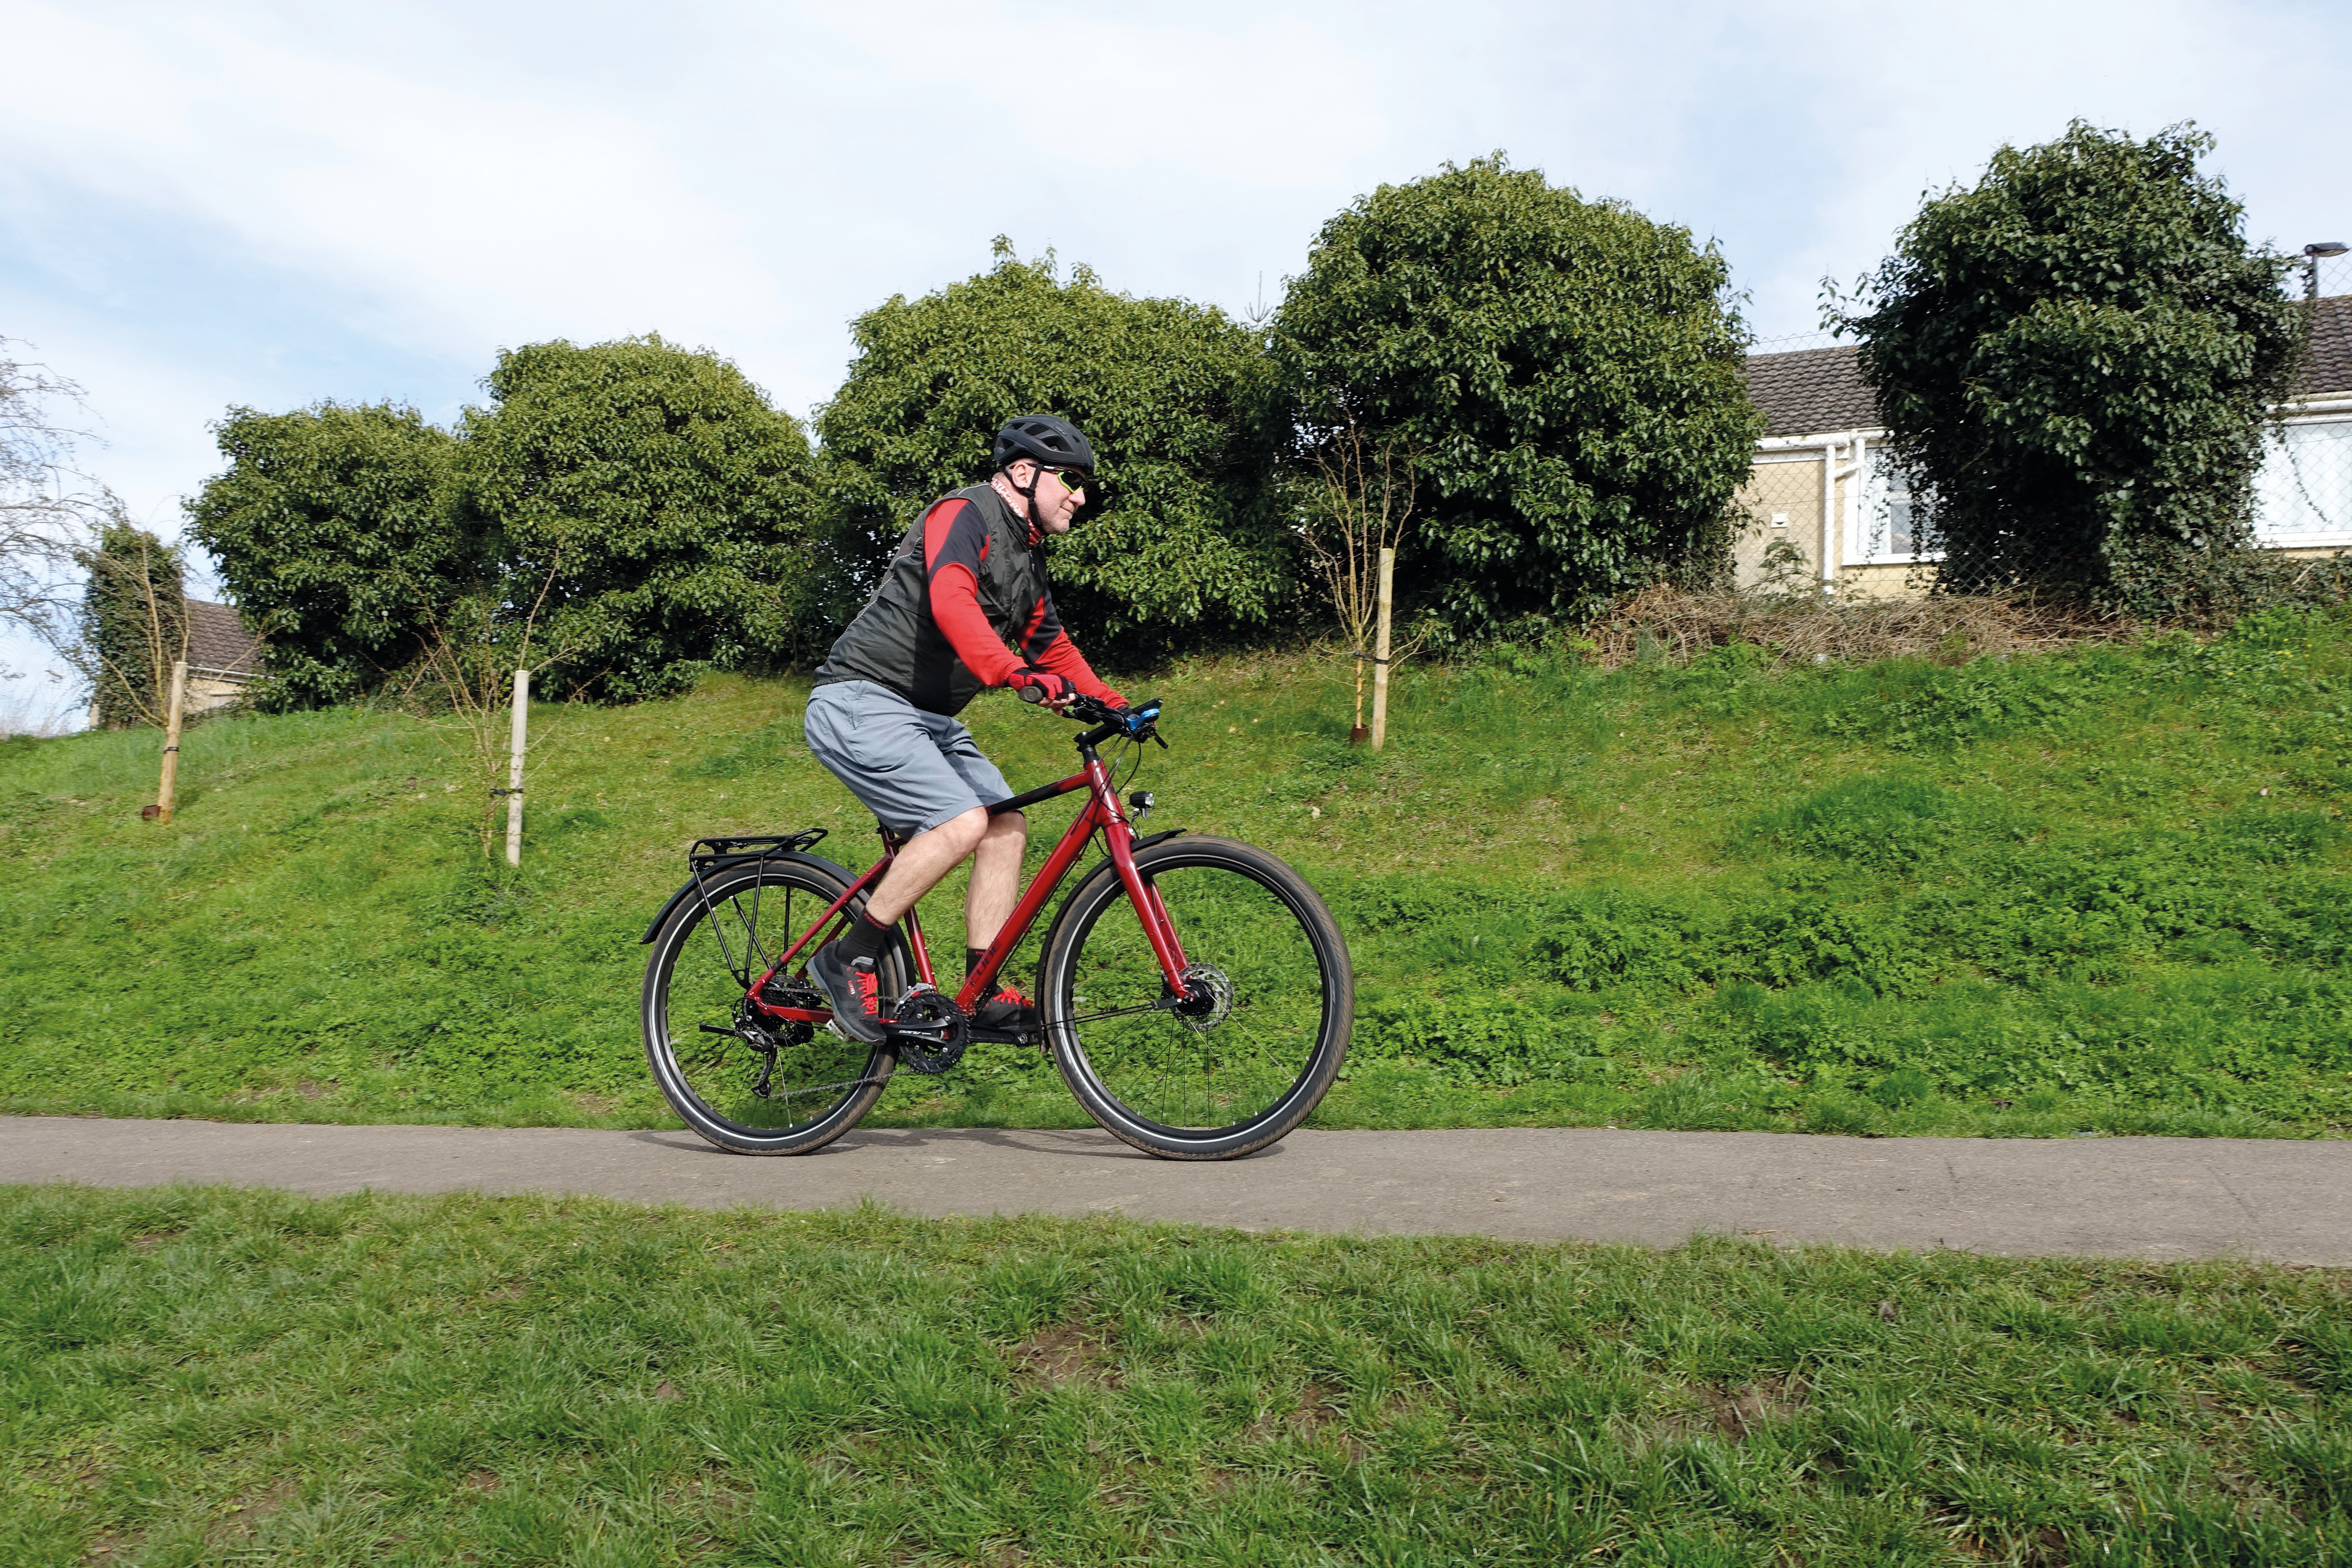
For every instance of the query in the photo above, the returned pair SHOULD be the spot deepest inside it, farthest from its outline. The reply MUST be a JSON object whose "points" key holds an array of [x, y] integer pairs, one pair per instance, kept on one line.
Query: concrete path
{"points": [[2128, 1197]]}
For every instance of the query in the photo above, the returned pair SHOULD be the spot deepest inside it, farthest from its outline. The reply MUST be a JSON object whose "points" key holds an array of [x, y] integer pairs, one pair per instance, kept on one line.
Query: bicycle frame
{"points": [[1103, 813]]}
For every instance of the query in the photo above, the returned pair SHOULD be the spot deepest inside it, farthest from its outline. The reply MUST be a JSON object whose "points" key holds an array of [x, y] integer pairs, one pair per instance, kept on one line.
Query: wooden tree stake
{"points": [[1380, 652], [170, 788], [514, 767]]}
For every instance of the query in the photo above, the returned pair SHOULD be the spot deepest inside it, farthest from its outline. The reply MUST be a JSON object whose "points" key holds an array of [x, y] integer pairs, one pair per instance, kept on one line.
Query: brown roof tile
{"points": [[217, 640]]}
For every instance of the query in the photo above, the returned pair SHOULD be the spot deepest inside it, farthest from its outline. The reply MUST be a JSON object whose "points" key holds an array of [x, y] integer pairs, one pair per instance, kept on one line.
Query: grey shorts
{"points": [[914, 770]]}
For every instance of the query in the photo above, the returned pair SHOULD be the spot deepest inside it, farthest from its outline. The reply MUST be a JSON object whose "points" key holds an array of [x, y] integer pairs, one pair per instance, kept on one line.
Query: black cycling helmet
{"points": [[1045, 438]]}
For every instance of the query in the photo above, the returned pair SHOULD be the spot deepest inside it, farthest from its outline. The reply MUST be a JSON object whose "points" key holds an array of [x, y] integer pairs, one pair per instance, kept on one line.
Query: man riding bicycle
{"points": [[964, 605]]}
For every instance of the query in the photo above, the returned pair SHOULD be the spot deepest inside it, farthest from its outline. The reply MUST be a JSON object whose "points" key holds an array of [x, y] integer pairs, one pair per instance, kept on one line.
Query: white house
{"points": [[1820, 484]]}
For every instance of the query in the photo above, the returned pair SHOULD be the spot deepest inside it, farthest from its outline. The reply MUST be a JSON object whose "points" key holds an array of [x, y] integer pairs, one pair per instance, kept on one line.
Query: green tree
{"points": [[1186, 543], [133, 624], [340, 526], [1567, 372], [664, 506], [2074, 357]]}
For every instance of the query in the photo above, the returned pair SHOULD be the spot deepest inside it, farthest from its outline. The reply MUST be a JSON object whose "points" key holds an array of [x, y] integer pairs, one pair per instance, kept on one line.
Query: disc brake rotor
{"points": [[1208, 997]]}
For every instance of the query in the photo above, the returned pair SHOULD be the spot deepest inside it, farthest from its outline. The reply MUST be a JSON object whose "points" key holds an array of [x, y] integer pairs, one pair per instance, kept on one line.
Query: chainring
{"points": [[930, 1030]]}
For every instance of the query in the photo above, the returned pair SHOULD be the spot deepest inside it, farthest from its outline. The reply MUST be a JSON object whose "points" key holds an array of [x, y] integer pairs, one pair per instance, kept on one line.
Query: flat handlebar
{"points": [[1136, 722]]}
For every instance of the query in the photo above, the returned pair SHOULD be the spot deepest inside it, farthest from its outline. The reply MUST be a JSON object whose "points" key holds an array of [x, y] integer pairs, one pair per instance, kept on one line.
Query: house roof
{"points": [[1813, 391], [2328, 370], [217, 640]]}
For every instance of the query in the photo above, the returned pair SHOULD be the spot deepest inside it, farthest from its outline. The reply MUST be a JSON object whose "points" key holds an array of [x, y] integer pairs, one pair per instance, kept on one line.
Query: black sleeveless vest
{"points": [[893, 641]]}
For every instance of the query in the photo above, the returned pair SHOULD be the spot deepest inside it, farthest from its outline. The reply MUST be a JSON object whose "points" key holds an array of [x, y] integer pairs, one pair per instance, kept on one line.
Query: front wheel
{"points": [[1250, 1048]]}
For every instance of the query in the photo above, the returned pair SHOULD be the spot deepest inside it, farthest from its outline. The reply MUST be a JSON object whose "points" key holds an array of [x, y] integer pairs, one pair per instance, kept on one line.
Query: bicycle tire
{"points": [[1205, 1088], [704, 960]]}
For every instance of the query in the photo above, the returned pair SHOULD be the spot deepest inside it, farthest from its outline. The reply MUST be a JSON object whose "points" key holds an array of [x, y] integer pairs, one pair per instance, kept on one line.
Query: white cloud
{"points": [[464, 211]]}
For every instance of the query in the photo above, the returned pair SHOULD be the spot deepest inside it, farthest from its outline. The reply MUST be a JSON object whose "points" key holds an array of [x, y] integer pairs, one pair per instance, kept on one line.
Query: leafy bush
{"points": [[2074, 357], [1568, 373], [649, 493], [1187, 543], [337, 525], [662, 503]]}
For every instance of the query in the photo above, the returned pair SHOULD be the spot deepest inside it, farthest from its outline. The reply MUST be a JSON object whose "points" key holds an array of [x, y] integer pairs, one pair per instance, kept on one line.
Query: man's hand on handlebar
{"points": [[1044, 686], [1050, 690]]}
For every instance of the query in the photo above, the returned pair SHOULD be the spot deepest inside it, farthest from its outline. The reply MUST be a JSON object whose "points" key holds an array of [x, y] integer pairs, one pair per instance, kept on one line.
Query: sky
{"points": [[205, 205]]}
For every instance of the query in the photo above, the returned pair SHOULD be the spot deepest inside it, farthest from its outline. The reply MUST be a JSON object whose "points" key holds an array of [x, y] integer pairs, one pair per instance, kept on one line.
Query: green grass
{"points": [[2101, 889], [211, 1376]]}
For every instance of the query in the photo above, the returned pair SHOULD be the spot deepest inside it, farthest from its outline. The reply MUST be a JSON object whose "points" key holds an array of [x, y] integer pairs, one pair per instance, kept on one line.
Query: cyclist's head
{"points": [[1034, 445]]}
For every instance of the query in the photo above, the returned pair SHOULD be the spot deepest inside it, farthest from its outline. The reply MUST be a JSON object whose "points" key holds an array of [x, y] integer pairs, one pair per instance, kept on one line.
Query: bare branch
{"points": [[1360, 502]]}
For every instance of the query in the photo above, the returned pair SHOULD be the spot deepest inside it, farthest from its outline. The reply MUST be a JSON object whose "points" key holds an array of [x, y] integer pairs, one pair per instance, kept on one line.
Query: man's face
{"points": [[1058, 496]]}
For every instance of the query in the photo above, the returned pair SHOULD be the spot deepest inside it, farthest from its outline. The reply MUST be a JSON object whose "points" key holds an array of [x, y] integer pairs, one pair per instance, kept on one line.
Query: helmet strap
{"points": [[1028, 493]]}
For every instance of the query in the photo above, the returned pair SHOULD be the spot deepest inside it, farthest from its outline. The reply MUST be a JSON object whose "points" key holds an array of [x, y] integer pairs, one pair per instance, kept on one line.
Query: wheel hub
{"points": [[1208, 997]]}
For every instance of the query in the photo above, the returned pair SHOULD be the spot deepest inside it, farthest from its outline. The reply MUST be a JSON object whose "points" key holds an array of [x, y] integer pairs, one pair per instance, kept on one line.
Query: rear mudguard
{"points": [[724, 863]]}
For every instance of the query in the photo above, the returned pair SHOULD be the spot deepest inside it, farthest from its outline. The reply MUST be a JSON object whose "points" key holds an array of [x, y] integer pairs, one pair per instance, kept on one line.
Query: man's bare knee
{"points": [[965, 832]]}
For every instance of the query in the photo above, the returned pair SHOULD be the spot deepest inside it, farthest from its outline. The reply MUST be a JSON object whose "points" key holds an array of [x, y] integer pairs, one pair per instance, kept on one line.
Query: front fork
{"points": [[1150, 908]]}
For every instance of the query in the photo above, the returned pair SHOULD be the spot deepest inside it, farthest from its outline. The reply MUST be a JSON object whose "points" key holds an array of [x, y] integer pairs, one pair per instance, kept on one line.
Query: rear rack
{"points": [[708, 853]]}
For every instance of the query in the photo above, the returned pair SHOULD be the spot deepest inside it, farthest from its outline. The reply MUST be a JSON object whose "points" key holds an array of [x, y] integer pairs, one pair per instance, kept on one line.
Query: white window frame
{"points": [[1868, 516], [2280, 479]]}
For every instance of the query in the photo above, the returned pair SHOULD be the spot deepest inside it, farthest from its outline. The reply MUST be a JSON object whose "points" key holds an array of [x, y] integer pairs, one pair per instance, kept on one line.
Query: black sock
{"points": [[863, 938], [972, 957]]}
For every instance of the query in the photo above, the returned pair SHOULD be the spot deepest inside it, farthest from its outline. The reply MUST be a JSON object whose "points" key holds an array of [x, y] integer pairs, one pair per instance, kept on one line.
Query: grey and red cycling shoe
{"points": [[852, 992], [1009, 1013]]}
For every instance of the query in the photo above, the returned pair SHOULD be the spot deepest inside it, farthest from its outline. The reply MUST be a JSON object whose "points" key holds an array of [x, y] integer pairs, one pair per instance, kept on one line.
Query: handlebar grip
{"points": [[1031, 694]]}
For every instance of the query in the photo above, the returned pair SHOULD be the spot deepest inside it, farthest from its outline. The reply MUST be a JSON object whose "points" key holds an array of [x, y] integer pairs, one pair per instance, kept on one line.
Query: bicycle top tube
{"points": [[1138, 723]]}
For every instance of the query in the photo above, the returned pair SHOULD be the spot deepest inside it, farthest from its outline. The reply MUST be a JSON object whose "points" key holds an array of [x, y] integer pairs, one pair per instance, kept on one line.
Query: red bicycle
{"points": [[1205, 1027]]}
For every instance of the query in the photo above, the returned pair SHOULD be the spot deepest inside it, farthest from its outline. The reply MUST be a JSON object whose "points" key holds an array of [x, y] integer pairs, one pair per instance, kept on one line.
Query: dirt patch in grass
{"points": [[1063, 1353], [246, 1514], [1314, 1414], [1738, 1412]]}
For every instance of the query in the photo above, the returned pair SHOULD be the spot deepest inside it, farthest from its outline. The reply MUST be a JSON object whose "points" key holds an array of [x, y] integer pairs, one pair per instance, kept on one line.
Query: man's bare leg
{"points": [[922, 861], [996, 878]]}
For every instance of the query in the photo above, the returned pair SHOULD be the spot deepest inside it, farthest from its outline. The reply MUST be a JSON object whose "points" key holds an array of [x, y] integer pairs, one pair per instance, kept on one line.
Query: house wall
{"points": [[2311, 501], [1787, 486], [206, 693]]}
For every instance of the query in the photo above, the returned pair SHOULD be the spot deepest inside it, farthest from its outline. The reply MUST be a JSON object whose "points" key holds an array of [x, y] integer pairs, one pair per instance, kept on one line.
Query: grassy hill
{"points": [[2102, 889]]}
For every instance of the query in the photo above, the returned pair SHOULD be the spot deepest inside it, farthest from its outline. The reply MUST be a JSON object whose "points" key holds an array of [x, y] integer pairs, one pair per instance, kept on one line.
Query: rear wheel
{"points": [[1250, 1048], [749, 1084]]}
